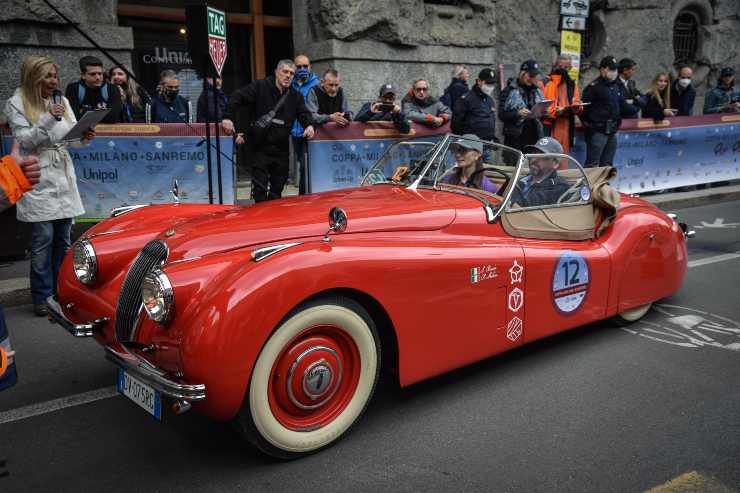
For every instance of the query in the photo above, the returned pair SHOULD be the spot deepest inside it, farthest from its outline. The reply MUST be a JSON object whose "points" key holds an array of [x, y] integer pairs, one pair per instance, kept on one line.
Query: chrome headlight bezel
{"points": [[85, 262], [157, 296]]}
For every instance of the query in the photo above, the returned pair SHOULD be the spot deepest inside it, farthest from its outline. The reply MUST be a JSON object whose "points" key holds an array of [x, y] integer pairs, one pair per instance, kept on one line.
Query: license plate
{"points": [[139, 392]]}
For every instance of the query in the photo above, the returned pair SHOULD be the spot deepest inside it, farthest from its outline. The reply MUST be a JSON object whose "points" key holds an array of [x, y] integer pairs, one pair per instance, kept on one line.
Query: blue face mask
{"points": [[301, 74]]}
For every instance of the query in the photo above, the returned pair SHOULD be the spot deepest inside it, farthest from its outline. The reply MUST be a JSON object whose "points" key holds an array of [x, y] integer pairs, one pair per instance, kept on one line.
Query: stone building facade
{"points": [[377, 41]]}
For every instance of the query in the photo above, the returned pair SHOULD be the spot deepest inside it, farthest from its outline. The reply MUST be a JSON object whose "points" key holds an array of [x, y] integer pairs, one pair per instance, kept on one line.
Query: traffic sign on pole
{"points": [[574, 7], [572, 23]]}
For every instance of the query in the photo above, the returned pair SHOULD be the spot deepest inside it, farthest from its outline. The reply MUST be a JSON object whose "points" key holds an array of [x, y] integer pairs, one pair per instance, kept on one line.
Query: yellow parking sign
{"points": [[570, 44]]}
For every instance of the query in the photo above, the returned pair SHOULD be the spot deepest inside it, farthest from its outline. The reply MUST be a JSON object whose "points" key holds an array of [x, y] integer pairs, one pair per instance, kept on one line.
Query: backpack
{"points": [[446, 99], [504, 95], [82, 89]]}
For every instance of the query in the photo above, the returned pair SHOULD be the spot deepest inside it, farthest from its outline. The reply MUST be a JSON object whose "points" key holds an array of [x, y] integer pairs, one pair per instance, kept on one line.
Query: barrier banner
{"points": [[338, 157], [676, 152], [130, 164]]}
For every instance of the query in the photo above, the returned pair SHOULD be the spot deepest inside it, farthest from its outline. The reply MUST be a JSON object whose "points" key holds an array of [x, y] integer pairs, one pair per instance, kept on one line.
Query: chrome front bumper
{"points": [[78, 330], [138, 367], [151, 375]]}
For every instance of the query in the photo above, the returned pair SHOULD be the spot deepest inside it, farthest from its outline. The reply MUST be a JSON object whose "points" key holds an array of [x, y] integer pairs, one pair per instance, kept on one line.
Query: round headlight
{"points": [[157, 296], [84, 262]]}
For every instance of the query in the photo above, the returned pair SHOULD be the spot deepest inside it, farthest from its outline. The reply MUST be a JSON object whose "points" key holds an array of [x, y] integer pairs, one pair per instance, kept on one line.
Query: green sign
{"points": [[217, 37]]}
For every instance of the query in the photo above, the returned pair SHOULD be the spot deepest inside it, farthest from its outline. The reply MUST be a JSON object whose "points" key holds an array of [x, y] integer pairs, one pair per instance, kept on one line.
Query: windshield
{"points": [[453, 163], [402, 163]]}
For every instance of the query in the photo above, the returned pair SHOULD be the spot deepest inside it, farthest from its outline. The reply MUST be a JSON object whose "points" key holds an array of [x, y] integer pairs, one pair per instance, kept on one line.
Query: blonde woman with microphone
{"points": [[39, 117]]}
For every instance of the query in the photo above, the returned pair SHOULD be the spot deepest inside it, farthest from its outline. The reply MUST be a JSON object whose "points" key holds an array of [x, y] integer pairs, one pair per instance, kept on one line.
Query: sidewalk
{"points": [[14, 285]]}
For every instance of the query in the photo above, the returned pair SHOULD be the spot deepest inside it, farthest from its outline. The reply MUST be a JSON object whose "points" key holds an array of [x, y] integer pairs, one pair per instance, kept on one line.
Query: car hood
{"points": [[376, 208]]}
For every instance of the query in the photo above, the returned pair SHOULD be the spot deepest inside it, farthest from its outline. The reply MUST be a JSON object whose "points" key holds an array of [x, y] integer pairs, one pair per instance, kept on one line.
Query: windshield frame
{"points": [[492, 212]]}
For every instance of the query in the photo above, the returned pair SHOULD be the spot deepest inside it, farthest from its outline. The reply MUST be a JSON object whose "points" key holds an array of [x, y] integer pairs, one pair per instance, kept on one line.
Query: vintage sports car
{"points": [[274, 318]]}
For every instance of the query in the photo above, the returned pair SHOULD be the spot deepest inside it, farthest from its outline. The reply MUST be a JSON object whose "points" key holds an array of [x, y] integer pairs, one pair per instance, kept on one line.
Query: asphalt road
{"points": [[596, 409]]}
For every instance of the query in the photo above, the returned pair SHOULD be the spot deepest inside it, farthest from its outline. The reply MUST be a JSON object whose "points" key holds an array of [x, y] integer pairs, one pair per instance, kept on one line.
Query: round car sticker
{"points": [[570, 282], [585, 193]]}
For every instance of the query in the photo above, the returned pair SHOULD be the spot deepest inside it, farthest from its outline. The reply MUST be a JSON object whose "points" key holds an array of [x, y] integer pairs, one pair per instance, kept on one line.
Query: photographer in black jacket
{"points": [[269, 109]]}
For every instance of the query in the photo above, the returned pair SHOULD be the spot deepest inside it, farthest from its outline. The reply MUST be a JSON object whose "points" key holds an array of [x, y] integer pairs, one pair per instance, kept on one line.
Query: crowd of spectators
{"points": [[470, 109]]}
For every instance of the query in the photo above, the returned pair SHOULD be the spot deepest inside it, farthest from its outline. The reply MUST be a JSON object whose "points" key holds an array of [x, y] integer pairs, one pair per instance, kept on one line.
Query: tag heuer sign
{"points": [[217, 38]]}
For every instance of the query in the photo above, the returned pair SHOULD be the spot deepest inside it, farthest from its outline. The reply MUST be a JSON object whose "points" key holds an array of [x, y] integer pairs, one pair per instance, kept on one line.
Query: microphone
{"points": [[56, 98]]}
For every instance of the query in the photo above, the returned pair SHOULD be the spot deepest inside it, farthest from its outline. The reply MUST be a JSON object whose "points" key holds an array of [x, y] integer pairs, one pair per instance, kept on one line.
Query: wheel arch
{"points": [[383, 323]]}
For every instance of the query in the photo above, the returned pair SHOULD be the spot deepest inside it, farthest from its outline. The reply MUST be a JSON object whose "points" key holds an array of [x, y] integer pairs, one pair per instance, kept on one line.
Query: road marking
{"points": [[691, 482], [57, 404], [718, 223], [715, 259]]}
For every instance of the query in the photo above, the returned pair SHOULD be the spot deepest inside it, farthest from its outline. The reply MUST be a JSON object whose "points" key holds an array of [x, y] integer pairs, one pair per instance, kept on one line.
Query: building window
{"points": [[685, 36]]}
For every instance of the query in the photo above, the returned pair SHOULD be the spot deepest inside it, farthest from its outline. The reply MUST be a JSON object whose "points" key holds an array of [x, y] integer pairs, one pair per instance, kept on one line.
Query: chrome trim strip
{"points": [[153, 376], [441, 145], [263, 253], [86, 329], [120, 211]]}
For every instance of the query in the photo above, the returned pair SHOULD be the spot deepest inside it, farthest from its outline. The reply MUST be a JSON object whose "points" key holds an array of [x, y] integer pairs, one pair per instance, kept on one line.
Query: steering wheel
{"points": [[568, 193]]}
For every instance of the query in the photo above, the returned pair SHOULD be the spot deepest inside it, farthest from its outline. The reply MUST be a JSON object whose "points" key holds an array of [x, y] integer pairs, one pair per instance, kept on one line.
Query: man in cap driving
{"points": [[543, 185]]}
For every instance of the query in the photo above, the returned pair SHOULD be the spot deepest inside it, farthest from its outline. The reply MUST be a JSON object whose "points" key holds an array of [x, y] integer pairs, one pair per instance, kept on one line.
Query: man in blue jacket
{"points": [[303, 82], [458, 86], [168, 106]]}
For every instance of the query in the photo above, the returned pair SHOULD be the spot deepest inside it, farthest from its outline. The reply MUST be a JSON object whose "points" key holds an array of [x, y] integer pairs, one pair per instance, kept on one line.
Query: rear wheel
{"points": [[313, 378], [633, 314]]}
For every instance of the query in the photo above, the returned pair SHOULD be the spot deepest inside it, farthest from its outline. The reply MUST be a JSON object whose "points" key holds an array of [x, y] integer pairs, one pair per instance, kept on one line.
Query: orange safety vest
{"points": [[560, 125]]}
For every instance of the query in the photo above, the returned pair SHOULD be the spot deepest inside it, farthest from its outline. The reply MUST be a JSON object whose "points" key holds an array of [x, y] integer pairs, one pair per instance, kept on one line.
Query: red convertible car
{"points": [[279, 320]]}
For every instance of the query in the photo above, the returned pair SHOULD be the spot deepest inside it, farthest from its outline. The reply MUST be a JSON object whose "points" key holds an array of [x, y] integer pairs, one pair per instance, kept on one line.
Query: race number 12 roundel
{"points": [[570, 282]]}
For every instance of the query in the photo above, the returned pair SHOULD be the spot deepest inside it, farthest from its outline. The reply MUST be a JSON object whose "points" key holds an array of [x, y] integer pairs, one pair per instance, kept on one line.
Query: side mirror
{"points": [[337, 221]]}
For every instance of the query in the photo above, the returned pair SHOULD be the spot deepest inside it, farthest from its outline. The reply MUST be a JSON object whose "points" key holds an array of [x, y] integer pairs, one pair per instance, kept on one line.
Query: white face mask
{"points": [[685, 82], [487, 89], [611, 74]]}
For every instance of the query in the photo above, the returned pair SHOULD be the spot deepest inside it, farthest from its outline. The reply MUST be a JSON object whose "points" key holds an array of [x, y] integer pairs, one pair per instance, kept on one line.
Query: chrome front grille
{"points": [[129, 301]]}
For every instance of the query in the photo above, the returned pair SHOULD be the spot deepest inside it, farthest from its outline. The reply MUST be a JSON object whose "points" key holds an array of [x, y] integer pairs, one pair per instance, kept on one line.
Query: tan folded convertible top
{"points": [[569, 222]]}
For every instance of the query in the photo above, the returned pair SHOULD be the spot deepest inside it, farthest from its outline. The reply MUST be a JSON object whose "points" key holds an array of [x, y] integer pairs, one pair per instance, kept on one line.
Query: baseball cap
{"points": [[546, 145], [530, 66], [387, 89], [487, 75], [609, 62], [727, 72], [464, 143]]}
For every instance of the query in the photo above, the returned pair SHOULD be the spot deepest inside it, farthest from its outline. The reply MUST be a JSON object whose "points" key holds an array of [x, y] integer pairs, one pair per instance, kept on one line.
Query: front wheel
{"points": [[313, 378], [633, 314]]}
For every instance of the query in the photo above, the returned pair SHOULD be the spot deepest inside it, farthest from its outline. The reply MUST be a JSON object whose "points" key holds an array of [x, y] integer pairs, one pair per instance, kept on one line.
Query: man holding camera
{"points": [[385, 109], [270, 107]]}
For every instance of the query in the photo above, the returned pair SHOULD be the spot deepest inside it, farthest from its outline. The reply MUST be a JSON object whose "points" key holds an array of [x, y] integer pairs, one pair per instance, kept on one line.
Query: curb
{"points": [[694, 198], [15, 292]]}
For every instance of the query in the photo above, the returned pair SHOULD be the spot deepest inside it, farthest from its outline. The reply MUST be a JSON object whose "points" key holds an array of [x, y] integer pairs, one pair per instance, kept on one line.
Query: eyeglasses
{"points": [[421, 89], [301, 66]]}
